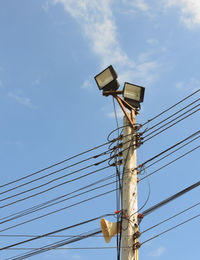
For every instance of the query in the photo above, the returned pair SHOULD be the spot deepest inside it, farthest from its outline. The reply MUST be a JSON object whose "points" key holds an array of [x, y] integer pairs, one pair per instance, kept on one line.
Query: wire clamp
{"points": [[136, 235], [136, 246]]}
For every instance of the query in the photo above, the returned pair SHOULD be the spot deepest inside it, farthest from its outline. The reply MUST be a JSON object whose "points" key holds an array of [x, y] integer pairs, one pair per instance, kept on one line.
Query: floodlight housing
{"points": [[133, 94], [107, 79]]}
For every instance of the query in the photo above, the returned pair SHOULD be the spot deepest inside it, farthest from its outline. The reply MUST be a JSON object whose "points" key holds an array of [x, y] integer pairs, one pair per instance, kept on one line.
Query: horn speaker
{"points": [[109, 229]]}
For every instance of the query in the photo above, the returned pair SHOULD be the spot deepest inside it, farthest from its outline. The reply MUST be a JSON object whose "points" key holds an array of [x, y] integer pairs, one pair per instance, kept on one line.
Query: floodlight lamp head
{"points": [[107, 79], [133, 94]]}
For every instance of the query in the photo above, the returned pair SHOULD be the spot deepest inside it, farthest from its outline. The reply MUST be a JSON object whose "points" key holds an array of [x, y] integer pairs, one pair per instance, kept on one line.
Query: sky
{"points": [[51, 109]]}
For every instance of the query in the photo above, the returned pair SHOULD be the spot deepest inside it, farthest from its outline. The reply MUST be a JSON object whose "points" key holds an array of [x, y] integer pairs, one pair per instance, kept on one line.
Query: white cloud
{"points": [[138, 4], [87, 84], [158, 252], [98, 23], [192, 84], [45, 6], [21, 100], [35, 82], [119, 113], [190, 11]]}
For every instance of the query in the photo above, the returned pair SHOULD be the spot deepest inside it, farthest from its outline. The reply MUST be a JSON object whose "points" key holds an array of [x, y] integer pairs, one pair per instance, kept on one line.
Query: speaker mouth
{"points": [[109, 229]]}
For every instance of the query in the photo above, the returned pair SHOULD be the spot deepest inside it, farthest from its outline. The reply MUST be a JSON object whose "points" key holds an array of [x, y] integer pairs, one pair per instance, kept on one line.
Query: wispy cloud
{"points": [[192, 84], [21, 100], [35, 82], [119, 113], [141, 5], [189, 11], [158, 252], [98, 24], [87, 84]]}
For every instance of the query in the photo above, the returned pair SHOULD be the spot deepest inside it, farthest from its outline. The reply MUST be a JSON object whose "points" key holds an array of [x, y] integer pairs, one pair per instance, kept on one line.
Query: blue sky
{"points": [[51, 108]]}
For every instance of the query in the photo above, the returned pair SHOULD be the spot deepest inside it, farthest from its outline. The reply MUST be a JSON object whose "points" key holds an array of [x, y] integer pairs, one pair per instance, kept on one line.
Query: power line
{"points": [[59, 197], [158, 115], [56, 245], [166, 110], [54, 232], [170, 162], [47, 205], [173, 216], [169, 199], [63, 248], [58, 210], [174, 227], [56, 186], [58, 163], [171, 147], [59, 170], [180, 110], [168, 126]]}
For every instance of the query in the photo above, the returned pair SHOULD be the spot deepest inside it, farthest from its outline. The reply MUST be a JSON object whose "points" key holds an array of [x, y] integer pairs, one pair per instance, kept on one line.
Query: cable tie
{"points": [[117, 211], [140, 166]]}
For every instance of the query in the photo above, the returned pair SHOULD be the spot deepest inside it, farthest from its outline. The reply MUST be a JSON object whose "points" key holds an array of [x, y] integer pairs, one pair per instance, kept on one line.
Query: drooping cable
{"points": [[58, 210], [55, 232], [171, 147], [59, 170], [56, 164], [55, 186], [173, 216], [169, 126], [190, 151], [174, 227], [180, 110], [47, 205], [39, 206], [169, 199], [166, 110]]}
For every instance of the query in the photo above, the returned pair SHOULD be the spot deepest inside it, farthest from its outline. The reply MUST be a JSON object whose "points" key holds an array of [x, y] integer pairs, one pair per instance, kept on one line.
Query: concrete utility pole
{"points": [[129, 191]]}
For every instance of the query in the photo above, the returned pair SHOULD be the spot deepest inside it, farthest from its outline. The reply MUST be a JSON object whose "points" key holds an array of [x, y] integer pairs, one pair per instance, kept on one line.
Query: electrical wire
{"points": [[169, 199], [174, 227], [118, 181], [171, 147], [166, 110], [173, 216], [185, 117], [29, 211], [173, 114], [56, 245], [58, 163], [58, 210], [56, 186], [63, 248], [53, 180], [38, 206], [55, 232], [190, 151], [59, 170], [170, 153]]}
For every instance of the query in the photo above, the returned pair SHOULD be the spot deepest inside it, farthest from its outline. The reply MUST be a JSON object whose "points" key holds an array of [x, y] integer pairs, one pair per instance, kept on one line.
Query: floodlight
{"points": [[133, 94], [107, 79]]}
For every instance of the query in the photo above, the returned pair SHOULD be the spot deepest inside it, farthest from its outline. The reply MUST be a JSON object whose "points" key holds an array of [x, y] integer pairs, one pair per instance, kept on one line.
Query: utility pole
{"points": [[133, 95], [129, 190]]}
